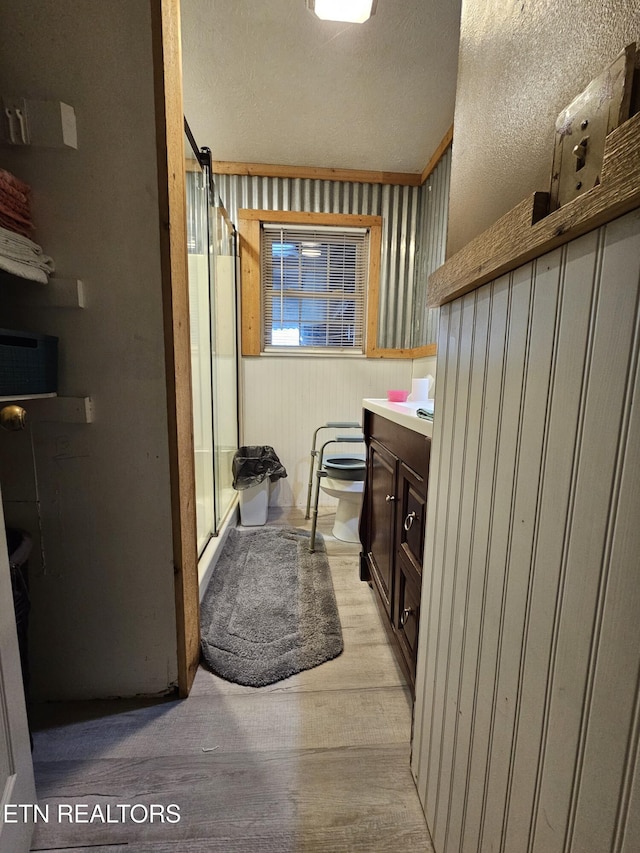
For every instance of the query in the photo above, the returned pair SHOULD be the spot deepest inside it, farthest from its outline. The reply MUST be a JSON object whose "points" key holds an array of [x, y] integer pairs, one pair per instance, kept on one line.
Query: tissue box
{"points": [[28, 363]]}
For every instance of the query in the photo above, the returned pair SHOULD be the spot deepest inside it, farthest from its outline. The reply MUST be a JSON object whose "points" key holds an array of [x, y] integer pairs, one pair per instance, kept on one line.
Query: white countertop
{"points": [[401, 413]]}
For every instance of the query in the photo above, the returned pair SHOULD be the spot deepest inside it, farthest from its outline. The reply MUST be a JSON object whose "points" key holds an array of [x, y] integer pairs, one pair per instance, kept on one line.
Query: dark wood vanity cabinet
{"points": [[392, 527], [380, 489]]}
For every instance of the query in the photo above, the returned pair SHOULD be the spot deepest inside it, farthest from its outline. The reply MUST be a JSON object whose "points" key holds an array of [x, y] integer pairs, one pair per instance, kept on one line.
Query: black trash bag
{"points": [[252, 465]]}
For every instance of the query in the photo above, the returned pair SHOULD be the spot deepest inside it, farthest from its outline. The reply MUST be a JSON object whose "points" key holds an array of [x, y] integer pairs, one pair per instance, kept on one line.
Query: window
{"points": [[313, 286], [309, 282]]}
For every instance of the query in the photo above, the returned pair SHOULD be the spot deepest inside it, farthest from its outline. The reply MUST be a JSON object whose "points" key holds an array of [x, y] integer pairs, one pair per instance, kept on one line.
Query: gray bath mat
{"points": [[269, 610]]}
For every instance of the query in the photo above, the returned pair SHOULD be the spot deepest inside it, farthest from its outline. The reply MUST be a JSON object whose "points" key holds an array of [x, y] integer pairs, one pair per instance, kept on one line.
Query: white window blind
{"points": [[314, 286]]}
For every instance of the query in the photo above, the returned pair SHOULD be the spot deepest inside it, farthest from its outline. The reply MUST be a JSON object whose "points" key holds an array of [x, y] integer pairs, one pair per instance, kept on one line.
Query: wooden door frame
{"points": [[167, 65]]}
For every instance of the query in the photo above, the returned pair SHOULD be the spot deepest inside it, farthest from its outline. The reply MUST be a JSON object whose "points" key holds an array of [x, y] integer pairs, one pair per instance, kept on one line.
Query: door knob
{"points": [[409, 520], [13, 418], [390, 498]]}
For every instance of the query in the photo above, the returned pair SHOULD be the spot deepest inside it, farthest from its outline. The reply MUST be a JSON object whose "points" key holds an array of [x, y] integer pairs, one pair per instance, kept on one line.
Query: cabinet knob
{"points": [[409, 520], [404, 616], [390, 498]]}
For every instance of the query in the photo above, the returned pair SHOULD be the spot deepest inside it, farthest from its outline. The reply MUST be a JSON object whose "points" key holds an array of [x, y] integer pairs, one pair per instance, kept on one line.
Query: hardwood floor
{"points": [[317, 762]]}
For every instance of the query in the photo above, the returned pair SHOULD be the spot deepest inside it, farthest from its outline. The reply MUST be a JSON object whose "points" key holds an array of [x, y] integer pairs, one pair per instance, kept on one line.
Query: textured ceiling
{"points": [[265, 81]]}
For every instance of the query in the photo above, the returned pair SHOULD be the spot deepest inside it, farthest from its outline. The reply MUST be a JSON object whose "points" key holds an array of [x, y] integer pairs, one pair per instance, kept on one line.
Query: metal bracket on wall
{"points": [[581, 129], [45, 124]]}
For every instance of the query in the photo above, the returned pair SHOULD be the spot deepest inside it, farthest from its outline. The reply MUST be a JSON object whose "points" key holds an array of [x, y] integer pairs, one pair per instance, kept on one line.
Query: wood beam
{"points": [[403, 352], [266, 170], [319, 173], [445, 142], [251, 311], [526, 232], [303, 217]]}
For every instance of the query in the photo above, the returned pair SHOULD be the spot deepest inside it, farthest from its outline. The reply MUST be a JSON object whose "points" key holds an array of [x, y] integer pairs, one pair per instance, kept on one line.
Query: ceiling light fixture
{"points": [[349, 11]]}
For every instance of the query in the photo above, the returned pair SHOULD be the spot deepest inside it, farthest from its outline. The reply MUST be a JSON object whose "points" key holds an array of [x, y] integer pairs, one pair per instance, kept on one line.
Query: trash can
{"points": [[19, 547], [254, 467], [254, 505]]}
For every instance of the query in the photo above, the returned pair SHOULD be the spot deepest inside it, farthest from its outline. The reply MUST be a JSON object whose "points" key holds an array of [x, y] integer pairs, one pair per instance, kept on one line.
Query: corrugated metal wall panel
{"points": [[431, 238], [400, 208], [527, 719]]}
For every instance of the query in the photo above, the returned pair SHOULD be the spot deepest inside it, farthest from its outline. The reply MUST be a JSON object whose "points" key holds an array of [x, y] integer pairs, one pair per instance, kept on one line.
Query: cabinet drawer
{"points": [[407, 613], [412, 447]]}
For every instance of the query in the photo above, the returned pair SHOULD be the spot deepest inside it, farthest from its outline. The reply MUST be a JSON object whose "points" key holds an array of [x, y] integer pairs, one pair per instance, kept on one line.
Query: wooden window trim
{"points": [[249, 222]]}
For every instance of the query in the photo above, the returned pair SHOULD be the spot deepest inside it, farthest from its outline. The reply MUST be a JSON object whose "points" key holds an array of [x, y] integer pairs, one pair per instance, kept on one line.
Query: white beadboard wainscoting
{"points": [[527, 718], [285, 398], [424, 367]]}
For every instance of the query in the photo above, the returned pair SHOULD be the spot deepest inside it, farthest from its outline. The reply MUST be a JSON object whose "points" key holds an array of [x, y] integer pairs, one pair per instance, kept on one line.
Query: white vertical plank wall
{"points": [[286, 397], [527, 715]]}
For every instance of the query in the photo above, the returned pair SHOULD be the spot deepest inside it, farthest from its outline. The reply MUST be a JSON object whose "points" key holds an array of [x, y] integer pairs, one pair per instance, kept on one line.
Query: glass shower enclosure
{"points": [[211, 249]]}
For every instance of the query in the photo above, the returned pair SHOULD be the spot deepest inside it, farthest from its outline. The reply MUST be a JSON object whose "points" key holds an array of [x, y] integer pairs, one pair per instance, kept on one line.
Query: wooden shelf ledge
{"points": [[527, 231]]}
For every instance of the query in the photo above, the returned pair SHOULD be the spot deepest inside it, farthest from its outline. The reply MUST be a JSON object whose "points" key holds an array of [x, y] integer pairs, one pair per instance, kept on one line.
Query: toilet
{"points": [[345, 481]]}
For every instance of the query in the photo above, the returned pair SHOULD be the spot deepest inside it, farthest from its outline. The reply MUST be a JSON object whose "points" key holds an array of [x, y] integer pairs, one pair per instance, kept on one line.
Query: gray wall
{"points": [[103, 618], [520, 64]]}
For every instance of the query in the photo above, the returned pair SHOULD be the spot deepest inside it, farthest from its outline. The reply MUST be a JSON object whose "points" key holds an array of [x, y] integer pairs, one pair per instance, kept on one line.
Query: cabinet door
{"points": [[406, 617], [382, 473], [412, 512]]}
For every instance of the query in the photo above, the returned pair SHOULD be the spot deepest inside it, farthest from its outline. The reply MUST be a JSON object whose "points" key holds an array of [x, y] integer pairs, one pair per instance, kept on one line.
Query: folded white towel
{"points": [[23, 270], [17, 248]]}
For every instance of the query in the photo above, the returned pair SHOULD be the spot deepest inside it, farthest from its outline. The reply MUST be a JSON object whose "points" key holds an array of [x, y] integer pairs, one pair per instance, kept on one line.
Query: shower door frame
{"points": [[170, 152], [167, 78], [204, 163]]}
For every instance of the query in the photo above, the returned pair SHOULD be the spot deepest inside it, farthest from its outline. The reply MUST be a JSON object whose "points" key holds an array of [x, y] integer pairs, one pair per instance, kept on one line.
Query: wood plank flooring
{"points": [[317, 762]]}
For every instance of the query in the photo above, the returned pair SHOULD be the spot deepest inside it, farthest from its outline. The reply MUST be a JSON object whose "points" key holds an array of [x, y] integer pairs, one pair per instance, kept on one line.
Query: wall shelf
{"points": [[527, 232], [49, 408], [58, 292]]}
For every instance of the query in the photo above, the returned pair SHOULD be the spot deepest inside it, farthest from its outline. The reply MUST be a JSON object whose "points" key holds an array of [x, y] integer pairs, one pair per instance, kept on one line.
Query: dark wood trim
{"points": [[165, 16]]}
